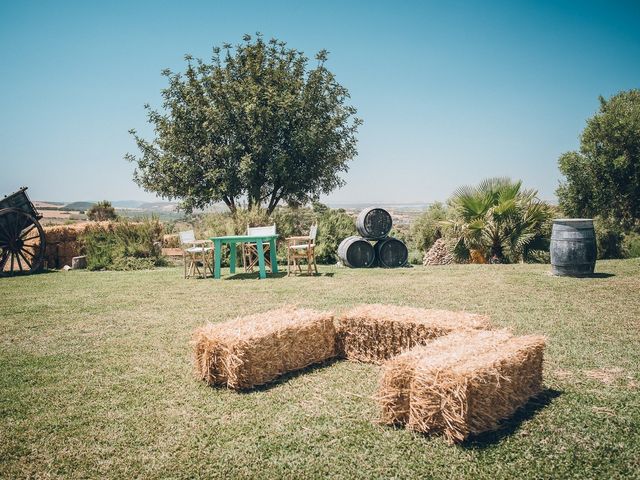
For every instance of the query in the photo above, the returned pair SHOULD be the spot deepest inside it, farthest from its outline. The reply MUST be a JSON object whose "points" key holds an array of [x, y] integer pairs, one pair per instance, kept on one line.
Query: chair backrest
{"points": [[313, 231], [268, 230], [187, 237]]}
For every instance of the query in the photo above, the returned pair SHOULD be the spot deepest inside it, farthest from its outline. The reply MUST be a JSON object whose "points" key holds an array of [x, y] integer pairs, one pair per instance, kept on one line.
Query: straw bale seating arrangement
{"points": [[443, 372]]}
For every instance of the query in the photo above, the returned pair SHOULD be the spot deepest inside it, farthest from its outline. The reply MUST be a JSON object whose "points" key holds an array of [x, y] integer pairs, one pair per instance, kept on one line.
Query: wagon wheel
{"points": [[22, 242]]}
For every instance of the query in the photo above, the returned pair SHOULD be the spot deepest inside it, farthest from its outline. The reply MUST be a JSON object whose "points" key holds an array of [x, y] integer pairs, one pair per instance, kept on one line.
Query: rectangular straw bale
{"points": [[466, 385], [255, 349], [393, 396], [375, 333]]}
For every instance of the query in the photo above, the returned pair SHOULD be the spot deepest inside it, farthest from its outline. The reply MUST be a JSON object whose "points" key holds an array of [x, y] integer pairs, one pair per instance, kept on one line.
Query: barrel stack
{"points": [[373, 225]]}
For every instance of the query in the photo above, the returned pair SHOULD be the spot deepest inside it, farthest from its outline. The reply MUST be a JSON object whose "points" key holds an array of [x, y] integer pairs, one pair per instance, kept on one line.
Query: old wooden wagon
{"points": [[22, 240]]}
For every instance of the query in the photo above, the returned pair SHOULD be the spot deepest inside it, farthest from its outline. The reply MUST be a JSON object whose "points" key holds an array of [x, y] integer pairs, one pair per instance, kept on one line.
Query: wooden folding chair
{"points": [[196, 253], [250, 249], [302, 248]]}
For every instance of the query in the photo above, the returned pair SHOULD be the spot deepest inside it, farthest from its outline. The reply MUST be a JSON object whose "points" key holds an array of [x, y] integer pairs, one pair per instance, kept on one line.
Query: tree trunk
{"points": [[230, 203]]}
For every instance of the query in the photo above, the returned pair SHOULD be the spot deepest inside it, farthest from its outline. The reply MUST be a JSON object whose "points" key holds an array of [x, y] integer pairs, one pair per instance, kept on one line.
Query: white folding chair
{"points": [[302, 248], [250, 249], [194, 253]]}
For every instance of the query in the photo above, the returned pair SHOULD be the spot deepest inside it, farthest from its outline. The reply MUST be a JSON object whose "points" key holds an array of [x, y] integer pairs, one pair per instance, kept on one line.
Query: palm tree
{"points": [[499, 219]]}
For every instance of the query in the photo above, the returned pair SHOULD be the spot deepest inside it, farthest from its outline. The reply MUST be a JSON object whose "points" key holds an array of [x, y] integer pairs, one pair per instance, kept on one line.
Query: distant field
{"points": [[97, 379]]}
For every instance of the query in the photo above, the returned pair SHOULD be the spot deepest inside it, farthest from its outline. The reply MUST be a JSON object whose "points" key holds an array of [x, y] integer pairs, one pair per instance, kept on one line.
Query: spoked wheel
{"points": [[22, 242]]}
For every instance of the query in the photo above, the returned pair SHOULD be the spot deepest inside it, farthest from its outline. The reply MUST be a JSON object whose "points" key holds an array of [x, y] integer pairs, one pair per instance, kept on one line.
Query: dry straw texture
{"points": [[461, 384], [254, 350], [375, 333]]}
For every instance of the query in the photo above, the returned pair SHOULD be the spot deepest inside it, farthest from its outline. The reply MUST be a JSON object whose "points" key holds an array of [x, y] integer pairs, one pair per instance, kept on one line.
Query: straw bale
{"points": [[375, 333], [393, 394], [254, 350], [462, 384]]}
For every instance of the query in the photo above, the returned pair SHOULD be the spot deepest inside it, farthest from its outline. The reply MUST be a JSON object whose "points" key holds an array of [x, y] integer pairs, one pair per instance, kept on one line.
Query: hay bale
{"points": [[375, 333], [393, 394], [461, 384], [254, 350]]}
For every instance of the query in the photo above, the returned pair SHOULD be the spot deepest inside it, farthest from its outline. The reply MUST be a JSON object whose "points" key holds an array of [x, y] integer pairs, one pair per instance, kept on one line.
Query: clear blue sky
{"points": [[450, 92]]}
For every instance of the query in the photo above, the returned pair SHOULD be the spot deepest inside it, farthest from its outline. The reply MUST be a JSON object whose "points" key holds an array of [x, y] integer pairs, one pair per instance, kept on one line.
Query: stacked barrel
{"points": [[373, 225]]}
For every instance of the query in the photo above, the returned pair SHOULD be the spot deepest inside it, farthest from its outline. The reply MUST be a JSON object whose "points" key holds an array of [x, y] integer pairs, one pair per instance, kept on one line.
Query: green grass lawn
{"points": [[96, 378]]}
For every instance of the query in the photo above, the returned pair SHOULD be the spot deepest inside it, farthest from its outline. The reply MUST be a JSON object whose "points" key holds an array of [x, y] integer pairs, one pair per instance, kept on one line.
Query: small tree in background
{"points": [[255, 124], [102, 211], [603, 178]]}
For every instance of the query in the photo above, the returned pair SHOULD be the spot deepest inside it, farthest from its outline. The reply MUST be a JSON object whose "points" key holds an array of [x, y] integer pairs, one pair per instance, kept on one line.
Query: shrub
{"points": [[333, 227], [109, 246], [631, 245], [498, 219], [609, 238], [132, 263], [427, 228], [102, 211]]}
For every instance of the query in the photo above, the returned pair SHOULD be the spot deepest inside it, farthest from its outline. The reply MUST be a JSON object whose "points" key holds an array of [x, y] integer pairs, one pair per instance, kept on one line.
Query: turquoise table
{"points": [[231, 240]]}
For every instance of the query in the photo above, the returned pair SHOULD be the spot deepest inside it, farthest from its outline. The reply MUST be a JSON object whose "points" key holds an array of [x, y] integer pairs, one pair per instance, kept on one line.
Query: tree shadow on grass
{"points": [[256, 275], [253, 276], [512, 424], [44, 271]]}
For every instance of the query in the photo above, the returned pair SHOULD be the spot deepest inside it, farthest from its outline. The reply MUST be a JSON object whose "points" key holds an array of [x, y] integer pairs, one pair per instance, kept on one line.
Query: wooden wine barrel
{"points": [[374, 223], [356, 252], [573, 247], [391, 253]]}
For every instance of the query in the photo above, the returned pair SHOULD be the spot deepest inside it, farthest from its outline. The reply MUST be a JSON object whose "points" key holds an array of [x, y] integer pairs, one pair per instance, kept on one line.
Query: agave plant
{"points": [[499, 219]]}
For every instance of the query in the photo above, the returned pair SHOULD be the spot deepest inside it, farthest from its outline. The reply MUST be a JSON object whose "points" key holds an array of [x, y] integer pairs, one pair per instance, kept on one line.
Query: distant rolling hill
{"points": [[77, 206]]}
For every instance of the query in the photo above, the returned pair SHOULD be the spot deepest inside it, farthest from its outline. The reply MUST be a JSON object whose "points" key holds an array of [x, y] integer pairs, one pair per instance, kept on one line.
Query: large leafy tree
{"points": [[255, 124], [498, 218], [603, 178]]}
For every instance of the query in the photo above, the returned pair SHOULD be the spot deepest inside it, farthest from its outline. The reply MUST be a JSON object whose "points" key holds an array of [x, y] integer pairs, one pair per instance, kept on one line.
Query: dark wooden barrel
{"points": [[356, 252], [374, 223], [391, 253], [573, 247]]}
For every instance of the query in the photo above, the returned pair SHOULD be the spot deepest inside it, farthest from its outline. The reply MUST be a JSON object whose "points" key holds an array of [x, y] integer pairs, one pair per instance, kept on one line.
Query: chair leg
{"points": [[184, 262]]}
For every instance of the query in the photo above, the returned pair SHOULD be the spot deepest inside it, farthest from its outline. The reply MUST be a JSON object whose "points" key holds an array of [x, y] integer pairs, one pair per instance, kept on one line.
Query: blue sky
{"points": [[450, 92]]}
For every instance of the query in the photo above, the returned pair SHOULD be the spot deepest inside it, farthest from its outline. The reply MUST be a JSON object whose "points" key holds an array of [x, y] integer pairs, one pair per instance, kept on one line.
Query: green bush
{"points": [[133, 263], [98, 245], [333, 227], [112, 246], [631, 245], [427, 228], [609, 238]]}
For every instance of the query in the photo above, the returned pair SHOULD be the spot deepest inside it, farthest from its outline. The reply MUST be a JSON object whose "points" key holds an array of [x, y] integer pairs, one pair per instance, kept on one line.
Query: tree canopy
{"points": [[255, 124], [603, 178]]}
